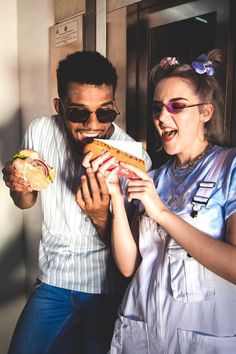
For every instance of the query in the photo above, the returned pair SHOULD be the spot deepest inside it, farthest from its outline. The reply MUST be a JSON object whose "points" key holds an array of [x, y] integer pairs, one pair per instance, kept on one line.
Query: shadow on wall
{"points": [[17, 227], [20, 233], [12, 264], [12, 273], [10, 137]]}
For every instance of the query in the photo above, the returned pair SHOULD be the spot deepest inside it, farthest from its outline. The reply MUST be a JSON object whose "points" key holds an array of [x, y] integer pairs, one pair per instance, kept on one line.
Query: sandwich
{"points": [[98, 147], [33, 169]]}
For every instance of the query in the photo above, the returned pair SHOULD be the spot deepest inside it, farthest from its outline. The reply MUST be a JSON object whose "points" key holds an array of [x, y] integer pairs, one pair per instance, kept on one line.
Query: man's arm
{"points": [[24, 200]]}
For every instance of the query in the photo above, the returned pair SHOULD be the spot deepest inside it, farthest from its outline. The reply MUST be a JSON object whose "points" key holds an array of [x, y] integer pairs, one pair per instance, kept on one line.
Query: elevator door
{"points": [[185, 31]]}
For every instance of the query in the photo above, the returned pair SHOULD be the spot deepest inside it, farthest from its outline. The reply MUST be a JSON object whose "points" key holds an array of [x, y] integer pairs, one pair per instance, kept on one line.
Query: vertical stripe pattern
{"points": [[71, 254]]}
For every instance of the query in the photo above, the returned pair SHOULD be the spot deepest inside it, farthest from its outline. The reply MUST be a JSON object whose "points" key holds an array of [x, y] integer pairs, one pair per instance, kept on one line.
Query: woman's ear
{"points": [[207, 112], [57, 106]]}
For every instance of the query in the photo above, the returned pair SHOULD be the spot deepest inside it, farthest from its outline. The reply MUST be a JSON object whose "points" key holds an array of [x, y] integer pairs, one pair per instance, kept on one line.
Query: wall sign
{"points": [[66, 33]]}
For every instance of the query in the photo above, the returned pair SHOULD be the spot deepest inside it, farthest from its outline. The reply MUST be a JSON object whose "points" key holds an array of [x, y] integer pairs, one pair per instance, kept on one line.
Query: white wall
{"points": [[12, 270], [24, 95], [35, 17]]}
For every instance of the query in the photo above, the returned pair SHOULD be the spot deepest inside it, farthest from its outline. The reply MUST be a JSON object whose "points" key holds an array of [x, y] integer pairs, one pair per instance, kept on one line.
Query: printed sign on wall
{"points": [[66, 33]]}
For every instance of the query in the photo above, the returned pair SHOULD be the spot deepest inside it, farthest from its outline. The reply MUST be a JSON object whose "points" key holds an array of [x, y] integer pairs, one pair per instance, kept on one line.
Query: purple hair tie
{"points": [[203, 66], [167, 62]]}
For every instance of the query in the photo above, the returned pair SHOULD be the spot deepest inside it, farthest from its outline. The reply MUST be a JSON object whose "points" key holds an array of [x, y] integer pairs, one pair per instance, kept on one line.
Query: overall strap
{"points": [[204, 191]]}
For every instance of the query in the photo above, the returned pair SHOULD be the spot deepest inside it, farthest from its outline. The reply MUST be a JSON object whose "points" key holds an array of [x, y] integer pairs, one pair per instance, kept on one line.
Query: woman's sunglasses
{"points": [[174, 107], [81, 115]]}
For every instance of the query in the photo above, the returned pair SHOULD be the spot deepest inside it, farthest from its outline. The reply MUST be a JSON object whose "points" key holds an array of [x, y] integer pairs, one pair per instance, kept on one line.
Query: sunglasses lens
{"points": [[78, 115], [175, 107], [156, 108], [106, 115]]}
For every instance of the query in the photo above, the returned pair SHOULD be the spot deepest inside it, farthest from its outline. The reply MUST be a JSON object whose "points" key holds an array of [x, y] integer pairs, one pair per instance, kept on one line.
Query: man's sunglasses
{"points": [[173, 107], [81, 115]]}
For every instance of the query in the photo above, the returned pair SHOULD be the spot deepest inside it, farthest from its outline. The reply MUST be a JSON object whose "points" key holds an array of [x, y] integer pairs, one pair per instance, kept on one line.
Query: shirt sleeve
{"points": [[27, 142], [230, 204]]}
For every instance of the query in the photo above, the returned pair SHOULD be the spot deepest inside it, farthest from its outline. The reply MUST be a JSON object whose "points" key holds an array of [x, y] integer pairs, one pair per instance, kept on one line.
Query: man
{"points": [[75, 301]]}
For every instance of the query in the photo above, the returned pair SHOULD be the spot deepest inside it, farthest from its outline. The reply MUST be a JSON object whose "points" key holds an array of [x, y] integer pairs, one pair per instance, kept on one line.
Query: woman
{"points": [[182, 298]]}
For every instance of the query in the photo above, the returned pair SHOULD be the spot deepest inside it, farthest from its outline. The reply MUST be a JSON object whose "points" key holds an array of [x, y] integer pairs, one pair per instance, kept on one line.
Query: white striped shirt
{"points": [[71, 254]]}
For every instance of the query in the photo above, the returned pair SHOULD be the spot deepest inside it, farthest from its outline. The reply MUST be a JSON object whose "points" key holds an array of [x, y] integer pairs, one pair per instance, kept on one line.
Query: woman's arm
{"points": [[124, 243], [216, 255], [123, 240]]}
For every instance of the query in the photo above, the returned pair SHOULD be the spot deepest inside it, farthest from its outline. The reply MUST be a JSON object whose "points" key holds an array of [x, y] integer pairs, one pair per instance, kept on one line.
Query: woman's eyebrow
{"points": [[177, 99]]}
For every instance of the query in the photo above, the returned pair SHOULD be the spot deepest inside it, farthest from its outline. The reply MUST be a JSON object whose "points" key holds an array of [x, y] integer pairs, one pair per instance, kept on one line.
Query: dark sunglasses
{"points": [[81, 115], [174, 107]]}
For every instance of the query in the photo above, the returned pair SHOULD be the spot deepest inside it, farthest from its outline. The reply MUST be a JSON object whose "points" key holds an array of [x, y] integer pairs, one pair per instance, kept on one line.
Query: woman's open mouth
{"points": [[168, 135]]}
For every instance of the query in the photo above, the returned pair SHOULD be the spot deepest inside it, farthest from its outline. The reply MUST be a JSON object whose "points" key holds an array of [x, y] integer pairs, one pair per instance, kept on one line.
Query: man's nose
{"points": [[92, 120]]}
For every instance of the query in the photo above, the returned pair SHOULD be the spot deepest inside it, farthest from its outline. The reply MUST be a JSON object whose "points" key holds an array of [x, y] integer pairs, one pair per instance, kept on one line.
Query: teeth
{"points": [[167, 133], [89, 135]]}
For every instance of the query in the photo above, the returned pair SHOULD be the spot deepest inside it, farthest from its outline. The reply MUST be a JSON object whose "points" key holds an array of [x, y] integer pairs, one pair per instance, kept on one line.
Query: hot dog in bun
{"points": [[33, 169], [98, 147]]}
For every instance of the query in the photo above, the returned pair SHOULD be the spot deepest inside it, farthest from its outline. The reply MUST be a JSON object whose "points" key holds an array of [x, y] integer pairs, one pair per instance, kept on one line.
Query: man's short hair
{"points": [[85, 67]]}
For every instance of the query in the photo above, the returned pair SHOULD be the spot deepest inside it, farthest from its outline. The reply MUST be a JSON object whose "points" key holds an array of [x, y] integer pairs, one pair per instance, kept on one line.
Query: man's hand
{"points": [[21, 192], [13, 180], [93, 198]]}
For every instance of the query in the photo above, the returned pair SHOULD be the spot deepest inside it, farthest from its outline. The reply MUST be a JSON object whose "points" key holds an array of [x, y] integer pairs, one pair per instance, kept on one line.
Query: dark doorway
{"points": [[183, 30], [185, 40]]}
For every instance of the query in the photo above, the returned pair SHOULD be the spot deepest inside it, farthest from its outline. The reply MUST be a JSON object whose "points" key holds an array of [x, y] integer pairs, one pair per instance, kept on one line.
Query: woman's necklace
{"points": [[181, 172]]}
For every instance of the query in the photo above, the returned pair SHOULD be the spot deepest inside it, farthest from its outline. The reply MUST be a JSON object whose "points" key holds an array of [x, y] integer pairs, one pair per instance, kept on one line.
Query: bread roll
{"points": [[34, 169], [98, 147]]}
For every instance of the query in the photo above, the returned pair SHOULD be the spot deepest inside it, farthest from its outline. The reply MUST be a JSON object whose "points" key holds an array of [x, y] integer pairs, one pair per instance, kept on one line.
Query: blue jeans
{"points": [[61, 321]]}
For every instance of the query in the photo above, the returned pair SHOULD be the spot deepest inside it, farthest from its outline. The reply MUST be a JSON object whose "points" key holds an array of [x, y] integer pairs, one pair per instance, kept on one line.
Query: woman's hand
{"points": [[88, 160], [110, 173], [144, 190], [107, 166]]}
